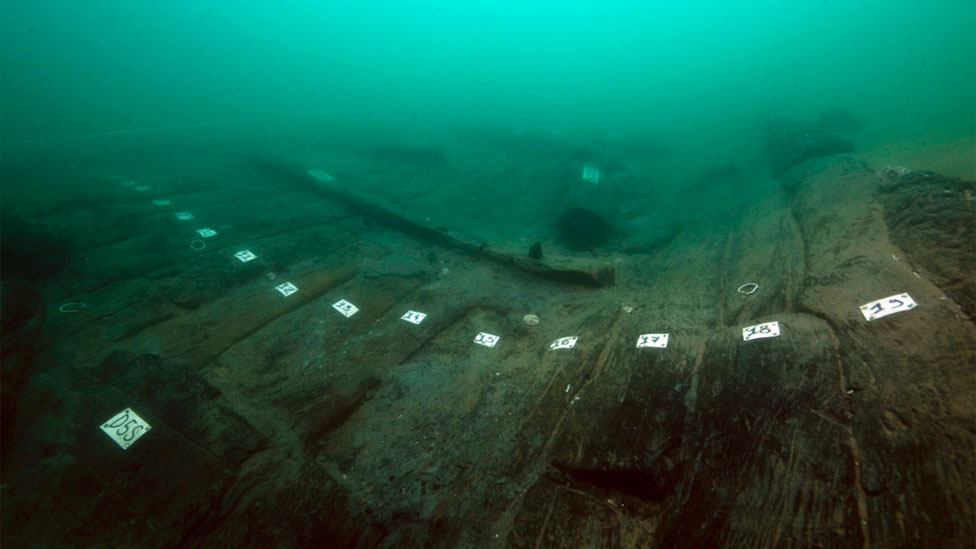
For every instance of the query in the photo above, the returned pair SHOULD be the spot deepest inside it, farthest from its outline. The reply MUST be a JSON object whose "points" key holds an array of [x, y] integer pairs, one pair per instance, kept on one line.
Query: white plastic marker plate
{"points": [[759, 331], [564, 343], [591, 174], [887, 306], [128, 183], [206, 233], [245, 256], [653, 340], [125, 428], [320, 175], [485, 339], [414, 317], [347, 309], [286, 289], [184, 216], [161, 202], [143, 188]]}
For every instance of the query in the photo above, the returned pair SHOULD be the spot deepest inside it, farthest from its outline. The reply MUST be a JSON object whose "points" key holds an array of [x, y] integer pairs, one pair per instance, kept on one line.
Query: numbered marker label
{"points": [[652, 340], [887, 306], [286, 289], [486, 339], [347, 309], [206, 233], [143, 188], [414, 317], [591, 174], [564, 343], [161, 202], [125, 428], [184, 216], [128, 183], [320, 175], [245, 256], [759, 331]]}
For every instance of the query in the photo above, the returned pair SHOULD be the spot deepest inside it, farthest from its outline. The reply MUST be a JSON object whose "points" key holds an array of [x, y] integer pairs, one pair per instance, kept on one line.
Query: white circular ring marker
{"points": [[70, 307], [193, 244], [754, 286]]}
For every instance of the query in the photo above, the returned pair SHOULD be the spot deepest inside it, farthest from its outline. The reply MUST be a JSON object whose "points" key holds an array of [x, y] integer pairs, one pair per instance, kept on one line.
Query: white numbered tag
{"points": [[125, 428], [143, 188], [485, 339], [161, 202], [206, 233], [759, 331], [320, 175], [414, 317], [184, 216], [887, 306], [591, 174], [245, 256], [286, 289], [564, 343], [347, 309], [128, 183], [653, 340]]}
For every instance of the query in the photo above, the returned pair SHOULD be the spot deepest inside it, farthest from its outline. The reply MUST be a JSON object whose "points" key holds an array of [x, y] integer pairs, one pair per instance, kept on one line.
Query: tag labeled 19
{"points": [[887, 306]]}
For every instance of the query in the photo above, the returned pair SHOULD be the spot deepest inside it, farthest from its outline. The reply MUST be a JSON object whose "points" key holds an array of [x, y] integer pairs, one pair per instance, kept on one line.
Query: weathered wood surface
{"points": [[279, 422]]}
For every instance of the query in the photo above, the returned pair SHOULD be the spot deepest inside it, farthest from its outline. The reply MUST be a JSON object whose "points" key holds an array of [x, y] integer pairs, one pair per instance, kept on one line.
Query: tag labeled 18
{"points": [[759, 331]]}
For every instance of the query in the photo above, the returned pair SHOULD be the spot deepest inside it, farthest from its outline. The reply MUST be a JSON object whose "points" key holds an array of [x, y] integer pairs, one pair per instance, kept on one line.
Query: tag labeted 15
{"points": [[486, 339]]}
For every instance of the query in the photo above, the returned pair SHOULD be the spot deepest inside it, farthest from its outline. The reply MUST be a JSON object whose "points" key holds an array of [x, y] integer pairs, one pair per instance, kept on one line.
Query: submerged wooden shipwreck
{"points": [[272, 417]]}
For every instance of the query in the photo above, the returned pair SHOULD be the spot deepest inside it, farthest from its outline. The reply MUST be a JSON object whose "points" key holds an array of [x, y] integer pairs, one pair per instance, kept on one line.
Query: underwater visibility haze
{"points": [[488, 274]]}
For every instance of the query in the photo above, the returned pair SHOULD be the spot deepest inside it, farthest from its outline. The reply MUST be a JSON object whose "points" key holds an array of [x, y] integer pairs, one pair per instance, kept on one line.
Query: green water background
{"points": [[700, 78]]}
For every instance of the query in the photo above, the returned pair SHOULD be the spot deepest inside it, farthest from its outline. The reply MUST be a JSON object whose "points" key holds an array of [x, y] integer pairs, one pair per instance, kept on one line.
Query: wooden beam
{"points": [[562, 269]]}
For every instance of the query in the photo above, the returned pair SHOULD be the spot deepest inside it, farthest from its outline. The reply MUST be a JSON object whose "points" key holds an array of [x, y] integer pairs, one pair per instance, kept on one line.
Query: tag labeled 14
{"points": [[887, 306]]}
